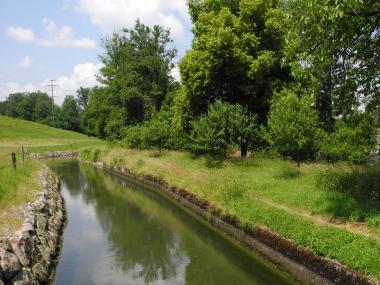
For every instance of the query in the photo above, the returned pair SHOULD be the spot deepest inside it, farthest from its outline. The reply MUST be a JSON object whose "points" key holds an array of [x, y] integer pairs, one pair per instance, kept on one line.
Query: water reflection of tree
{"points": [[143, 246], [70, 175]]}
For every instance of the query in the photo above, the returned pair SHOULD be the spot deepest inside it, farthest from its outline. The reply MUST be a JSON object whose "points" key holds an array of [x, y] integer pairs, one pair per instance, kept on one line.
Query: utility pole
{"points": [[52, 85]]}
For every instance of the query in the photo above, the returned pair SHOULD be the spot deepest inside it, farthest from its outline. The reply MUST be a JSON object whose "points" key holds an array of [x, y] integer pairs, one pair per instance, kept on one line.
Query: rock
{"points": [[23, 277], [9, 264], [40, 271], [28, 257]]}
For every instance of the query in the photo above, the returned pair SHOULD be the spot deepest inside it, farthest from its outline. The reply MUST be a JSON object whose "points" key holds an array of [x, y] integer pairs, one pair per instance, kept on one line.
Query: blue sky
{"points": [[45, 39]]}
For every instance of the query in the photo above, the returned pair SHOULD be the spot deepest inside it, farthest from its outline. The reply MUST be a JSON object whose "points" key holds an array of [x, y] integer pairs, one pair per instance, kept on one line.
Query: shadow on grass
{"points": [[353, 195]]}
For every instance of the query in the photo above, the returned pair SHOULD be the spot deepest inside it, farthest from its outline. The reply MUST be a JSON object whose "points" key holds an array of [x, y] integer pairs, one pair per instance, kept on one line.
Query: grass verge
{"points": [[299, 205]]}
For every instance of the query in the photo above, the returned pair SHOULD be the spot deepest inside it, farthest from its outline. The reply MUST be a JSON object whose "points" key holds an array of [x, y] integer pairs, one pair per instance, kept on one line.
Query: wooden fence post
{"points": [[23, 154], [13, 155]]}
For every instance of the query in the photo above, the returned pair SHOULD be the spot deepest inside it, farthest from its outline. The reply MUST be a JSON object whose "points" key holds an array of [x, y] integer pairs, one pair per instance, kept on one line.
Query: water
{"points": [[122, 233]]}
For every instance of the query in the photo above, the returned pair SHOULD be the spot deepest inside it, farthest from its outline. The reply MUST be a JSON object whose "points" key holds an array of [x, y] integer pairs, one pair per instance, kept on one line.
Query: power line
{"points": [[52, 85]]}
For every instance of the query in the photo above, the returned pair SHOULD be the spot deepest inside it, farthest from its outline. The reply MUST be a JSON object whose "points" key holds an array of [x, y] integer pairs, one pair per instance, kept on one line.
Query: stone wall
{"points": [[31, 254], [55, 155]]}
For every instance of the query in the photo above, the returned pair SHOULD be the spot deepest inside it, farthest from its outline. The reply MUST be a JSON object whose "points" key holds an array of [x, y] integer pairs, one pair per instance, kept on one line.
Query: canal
{"points": [[119, 232]]}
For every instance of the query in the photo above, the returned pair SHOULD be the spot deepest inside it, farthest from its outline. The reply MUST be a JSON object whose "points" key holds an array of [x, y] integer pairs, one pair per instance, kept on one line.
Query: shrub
{"points": [[292, 125], [96, 155], [353, 140], [223, 126]]}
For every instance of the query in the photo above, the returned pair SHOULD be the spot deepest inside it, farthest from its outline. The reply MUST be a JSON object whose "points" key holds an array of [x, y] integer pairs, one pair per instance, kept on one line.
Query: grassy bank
{"points": [[17, 188], [15, 133], [20, 186], [330, 209]]}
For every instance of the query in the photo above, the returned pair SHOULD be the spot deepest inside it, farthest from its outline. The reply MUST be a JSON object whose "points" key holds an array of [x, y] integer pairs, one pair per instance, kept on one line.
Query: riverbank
{"points": [[237, 196], [30, 255]]}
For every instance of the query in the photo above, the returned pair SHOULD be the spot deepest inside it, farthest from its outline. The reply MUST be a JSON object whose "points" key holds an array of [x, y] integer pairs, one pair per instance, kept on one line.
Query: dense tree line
{"points": [[299, 77]]}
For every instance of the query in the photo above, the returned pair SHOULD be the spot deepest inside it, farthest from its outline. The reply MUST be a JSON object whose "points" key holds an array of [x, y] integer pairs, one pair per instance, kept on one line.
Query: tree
{"points": [[353, 140], [34, 106], [69, 115], [224, 126], [83, 95], [245, 128], [138, 108], [155, 133], [236, 54], [138, 58], [292, 125], [97, 112], [336, 47]]}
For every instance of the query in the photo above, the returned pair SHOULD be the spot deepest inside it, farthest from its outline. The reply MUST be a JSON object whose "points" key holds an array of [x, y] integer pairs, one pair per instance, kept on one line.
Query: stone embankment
{"points": [[307, 267], [55, 155], [31, 254]]}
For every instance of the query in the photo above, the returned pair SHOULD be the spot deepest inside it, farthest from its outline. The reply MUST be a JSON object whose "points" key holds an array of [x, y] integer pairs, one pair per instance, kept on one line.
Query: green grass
{"points": [[299, 205], [15, 133], [18, 187]]}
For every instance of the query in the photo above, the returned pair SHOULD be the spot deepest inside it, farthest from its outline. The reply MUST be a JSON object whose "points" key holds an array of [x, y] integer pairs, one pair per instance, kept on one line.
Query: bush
{"points": [[223, 127], [292, 125], [361, 182], [133, 137], [353, 140]]}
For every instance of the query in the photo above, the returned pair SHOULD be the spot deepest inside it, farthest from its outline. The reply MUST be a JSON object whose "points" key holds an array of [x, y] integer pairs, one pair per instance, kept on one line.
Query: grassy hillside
{"points": [[20, 186], [15, 133]]}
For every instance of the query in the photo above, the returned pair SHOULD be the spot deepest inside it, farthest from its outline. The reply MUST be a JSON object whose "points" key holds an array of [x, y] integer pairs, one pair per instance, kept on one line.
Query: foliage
{"points": [[69, 114], [353, 140], [138, 58], [155, 133], [235, 55], [336, 46], [83, 95], [292, 125], [223, 126], [34, 106], [362, 183], [137, 106]]}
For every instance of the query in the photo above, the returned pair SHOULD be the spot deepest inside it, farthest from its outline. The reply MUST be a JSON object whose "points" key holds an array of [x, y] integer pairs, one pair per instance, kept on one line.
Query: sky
{"points": [[61, 39]]}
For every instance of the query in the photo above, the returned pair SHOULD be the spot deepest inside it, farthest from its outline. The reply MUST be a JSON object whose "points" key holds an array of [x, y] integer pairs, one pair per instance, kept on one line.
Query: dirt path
{"points": [[356, 227]]}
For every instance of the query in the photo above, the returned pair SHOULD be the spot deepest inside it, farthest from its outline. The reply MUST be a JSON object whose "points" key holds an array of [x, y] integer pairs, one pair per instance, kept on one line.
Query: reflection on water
{"points": [[121, 233]]}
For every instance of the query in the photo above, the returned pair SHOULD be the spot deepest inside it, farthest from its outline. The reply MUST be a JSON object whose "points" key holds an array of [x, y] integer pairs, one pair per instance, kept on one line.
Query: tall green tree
{"points": [[236, 54], [138, 58], [69, 114], [335, 45], [82, 96]]}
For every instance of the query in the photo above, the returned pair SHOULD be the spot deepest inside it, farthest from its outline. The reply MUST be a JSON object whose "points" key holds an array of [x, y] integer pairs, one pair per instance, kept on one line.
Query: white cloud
{"points": [[83, 74], [26, 62], [55, 36], [20, 34], [113, 15], [175, 73]]}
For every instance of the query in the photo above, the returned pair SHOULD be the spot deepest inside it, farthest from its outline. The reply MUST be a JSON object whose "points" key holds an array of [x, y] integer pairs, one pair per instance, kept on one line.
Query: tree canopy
{"points": [[236, 54]]}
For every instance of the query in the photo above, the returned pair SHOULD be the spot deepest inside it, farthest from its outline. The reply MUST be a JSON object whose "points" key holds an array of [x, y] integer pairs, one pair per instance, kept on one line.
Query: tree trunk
{"points": [[298, 159], [244, 149]]}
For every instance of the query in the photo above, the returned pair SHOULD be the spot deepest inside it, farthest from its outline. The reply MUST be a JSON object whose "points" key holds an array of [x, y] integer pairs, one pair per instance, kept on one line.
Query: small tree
{"points": [[223, 126], [244, 127], [292, 125], [155, 133]]}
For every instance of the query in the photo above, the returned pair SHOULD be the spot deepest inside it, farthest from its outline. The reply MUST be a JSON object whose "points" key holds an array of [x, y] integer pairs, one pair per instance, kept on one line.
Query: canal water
{"points": [[119, 232]]}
